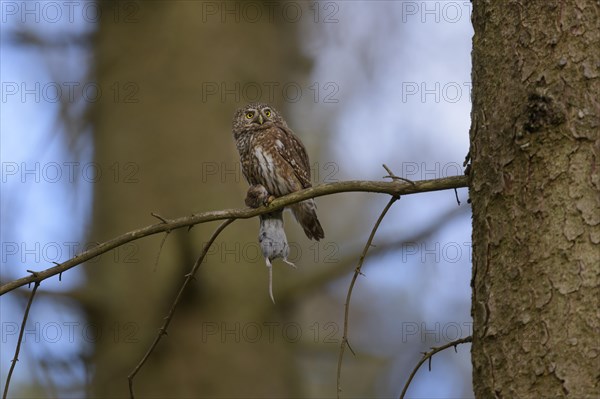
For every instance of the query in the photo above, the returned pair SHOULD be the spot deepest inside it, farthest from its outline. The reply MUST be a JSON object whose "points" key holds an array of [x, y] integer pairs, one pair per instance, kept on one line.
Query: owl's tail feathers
{"points": [[305, 213]]}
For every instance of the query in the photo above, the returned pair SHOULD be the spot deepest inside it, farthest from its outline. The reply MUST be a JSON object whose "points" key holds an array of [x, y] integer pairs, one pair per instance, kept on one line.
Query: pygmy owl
{"points": [[274, 158]]}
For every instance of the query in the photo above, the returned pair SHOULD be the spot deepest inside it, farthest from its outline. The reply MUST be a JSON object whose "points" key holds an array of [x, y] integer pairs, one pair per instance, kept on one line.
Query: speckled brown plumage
{"points": [[272, 156]]}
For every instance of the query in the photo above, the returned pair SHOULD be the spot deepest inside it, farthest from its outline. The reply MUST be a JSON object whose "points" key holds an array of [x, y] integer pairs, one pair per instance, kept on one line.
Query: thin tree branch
{"points": [[162, 243], [20, 339], [188, 278], [395, 188], [156, 215], [392, 176], [429, 355], [349, 295]]}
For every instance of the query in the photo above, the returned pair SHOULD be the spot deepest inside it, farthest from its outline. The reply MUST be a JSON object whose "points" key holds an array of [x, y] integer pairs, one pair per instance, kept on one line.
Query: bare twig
{"points": [[156, 215], [393, 188], [350, 289], [392, 176], [188, 278], [20, 339], [429, 355], [162, 243], [456, 194]]}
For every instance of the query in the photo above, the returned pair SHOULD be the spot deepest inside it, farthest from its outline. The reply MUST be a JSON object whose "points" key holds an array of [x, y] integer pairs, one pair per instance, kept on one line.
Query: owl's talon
{"points": [[269, 199], [256, 196]]}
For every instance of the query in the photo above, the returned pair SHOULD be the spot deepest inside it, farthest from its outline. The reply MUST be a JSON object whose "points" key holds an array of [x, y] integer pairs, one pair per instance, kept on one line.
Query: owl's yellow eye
{"points": [[268, 113], [249, 115]]}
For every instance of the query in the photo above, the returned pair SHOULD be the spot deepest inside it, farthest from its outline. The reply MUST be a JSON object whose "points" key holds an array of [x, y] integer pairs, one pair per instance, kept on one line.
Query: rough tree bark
{"points": [[534, 189]]}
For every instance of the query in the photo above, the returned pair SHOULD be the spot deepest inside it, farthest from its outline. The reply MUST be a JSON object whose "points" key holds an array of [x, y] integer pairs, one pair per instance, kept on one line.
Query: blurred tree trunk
{"points": [[163, 144], [535, 182]]}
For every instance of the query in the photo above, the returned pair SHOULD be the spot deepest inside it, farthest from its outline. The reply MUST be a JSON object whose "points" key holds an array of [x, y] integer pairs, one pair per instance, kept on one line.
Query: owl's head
{"points": [[254, 117]]}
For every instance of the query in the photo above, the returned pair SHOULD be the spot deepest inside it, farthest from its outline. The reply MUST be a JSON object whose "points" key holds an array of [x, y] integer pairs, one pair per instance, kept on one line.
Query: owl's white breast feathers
{"points": [[271, 172], [265, 161]]}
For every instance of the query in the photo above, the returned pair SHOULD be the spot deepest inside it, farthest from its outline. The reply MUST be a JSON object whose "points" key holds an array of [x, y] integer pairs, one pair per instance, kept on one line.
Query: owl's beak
{"points": [[260, 119]]}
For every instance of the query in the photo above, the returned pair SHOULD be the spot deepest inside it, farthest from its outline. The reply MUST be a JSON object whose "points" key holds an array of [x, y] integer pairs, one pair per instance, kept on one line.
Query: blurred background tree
{"points": [[174, 133]]}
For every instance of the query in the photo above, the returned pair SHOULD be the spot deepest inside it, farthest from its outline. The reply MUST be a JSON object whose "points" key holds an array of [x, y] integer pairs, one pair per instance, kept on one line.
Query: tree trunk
{"points": [[534, 190], [172, 74]]}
